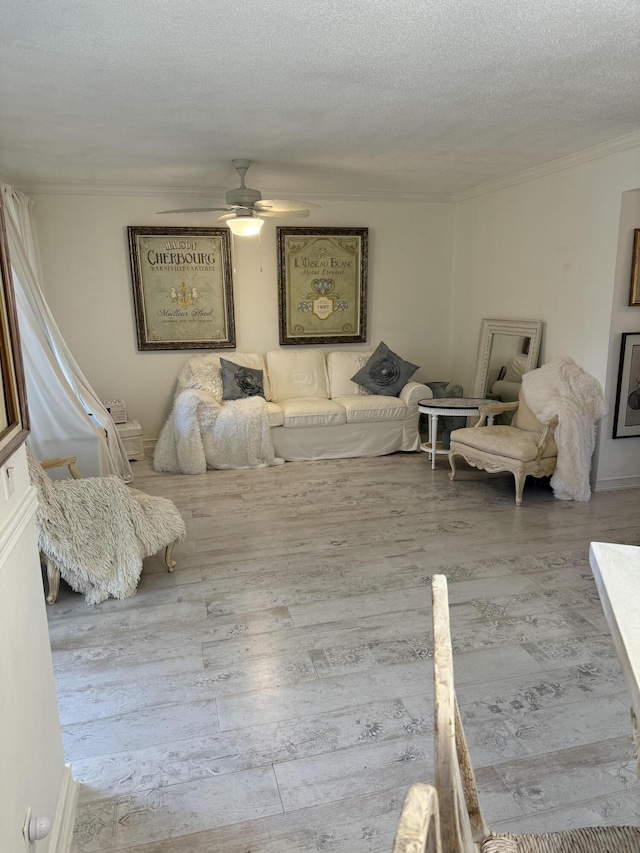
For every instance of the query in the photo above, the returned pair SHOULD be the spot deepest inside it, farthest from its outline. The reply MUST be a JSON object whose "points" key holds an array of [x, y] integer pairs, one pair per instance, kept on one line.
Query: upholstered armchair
{"points": [[526, 448], [96, 531]]}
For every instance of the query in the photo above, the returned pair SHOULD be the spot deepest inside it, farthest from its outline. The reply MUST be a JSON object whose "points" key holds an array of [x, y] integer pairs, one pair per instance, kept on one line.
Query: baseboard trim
{"points": [[149, 445], [610, 484], [64, 821]]}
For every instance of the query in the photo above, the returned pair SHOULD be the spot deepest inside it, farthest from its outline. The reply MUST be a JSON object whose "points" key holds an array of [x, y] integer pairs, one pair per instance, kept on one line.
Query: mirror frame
{"points": [[14, 427], [523, 328]]}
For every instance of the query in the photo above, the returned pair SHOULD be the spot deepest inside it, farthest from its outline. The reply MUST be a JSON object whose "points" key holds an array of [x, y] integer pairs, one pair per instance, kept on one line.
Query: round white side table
{"points": [[452, 406]]}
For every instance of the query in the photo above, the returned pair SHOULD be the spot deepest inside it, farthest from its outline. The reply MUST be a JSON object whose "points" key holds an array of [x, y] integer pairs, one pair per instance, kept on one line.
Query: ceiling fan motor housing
{"points": [[243, 197]]}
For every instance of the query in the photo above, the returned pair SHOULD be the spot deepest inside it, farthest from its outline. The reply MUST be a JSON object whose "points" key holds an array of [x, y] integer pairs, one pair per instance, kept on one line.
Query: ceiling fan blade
{"points": [[282, 205], [282, 214], [194, 210]]}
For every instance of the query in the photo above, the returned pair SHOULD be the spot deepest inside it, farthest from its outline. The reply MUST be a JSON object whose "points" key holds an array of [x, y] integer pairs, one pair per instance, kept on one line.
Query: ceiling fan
{"points": [[247, 209]]}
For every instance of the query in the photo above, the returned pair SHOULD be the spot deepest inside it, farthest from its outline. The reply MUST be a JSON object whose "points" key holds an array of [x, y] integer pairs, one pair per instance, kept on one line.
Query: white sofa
{"points": [[315, 411], [507, 389]]}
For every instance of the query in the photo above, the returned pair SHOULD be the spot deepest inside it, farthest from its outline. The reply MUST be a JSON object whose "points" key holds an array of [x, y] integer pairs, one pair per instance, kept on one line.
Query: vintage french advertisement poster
{"points": [[182, 287], [322, 278]]}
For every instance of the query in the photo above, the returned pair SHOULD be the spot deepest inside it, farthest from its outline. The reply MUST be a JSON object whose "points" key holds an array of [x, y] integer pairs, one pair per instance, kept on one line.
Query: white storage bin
{"points": [[131, 435]]}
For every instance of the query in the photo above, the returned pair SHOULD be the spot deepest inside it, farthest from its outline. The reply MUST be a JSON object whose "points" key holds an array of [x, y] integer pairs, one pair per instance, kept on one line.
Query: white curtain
{"points": [[66, 417]]}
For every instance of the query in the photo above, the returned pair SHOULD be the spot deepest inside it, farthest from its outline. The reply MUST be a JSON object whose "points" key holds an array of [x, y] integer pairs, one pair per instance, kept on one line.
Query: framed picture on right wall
{"points": [[634, 296], [626, 419]]}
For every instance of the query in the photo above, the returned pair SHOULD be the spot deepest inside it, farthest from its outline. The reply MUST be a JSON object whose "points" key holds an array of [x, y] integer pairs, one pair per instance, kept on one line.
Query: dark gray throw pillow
{"points": [[240, 382], [385, 373]]}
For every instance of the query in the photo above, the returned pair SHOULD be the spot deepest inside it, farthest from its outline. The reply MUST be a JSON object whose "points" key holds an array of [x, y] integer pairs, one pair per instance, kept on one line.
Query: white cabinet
{"points": [[31, 755]]}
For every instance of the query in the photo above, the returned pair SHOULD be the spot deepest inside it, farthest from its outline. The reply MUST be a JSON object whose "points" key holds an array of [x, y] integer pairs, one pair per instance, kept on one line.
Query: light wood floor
{"points": [[274, 694]]}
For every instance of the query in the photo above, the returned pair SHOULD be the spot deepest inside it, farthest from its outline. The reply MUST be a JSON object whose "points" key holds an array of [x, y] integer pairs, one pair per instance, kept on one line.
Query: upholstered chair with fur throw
{"points": [[96, 531], [553, 431], [526, 447]]}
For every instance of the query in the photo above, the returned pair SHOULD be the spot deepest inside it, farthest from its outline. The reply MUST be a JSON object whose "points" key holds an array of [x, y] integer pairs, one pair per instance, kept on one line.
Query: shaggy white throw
{"points": [[98, 530], [201, 432], [561, 387]]}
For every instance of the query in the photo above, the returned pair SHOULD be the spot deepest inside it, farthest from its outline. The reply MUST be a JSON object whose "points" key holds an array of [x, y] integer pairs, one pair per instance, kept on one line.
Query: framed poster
{"points": [[322, 285], [14, 416], [626, 417], [182, 288], [634, 296]]}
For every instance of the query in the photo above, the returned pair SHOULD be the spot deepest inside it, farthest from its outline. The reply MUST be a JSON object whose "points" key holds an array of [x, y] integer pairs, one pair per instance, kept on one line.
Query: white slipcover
{"points": [[341, 366], [312, 411], [297, 374], [316, 411], [373, 407], [197, 363]]}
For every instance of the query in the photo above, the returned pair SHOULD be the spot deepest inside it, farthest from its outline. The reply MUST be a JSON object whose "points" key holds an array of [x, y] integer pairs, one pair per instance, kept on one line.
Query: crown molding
{"points": [[586, 155], [208, 193]]}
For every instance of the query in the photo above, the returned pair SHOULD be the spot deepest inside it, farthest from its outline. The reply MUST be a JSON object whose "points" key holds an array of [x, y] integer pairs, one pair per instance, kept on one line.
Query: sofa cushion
{"points": [[312, 412], [372, 407], [205, 364], [515, 369], [207, 377], [294, 374], [341, 366], [506, 392], [385, 372], [239, 382], [275, 414]]}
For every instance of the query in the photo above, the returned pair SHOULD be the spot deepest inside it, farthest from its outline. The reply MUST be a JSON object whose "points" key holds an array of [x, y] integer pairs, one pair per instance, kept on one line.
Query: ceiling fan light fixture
{"points": [[246, 210], [245, 226]]}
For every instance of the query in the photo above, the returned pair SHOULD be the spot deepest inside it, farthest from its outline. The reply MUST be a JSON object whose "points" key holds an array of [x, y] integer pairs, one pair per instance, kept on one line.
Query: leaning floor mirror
{"points": [[508, 348]]}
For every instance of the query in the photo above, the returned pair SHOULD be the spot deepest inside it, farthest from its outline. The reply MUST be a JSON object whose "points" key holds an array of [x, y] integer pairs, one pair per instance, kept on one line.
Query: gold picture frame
{"points": [[183, 294], [14, 414], [634, 296], [322, 285]]}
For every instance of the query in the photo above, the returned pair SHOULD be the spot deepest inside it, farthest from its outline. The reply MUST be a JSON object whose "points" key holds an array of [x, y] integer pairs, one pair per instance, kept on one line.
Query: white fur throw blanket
{"points": [[202, 433], [98, 530], [561, 387]]}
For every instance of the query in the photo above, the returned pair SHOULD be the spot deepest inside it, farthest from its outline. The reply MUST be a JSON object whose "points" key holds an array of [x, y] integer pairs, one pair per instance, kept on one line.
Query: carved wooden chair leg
{"points": [[519, 477], [168, 556], [53, 579], [452, 472]]}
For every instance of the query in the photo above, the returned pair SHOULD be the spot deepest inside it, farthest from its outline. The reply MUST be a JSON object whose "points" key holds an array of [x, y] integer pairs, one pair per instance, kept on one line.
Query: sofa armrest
{"points": [[413, 392]]}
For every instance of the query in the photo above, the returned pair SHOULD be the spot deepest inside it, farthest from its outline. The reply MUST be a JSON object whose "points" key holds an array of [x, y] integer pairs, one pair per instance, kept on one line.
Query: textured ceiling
{"points": [[329, 96]]}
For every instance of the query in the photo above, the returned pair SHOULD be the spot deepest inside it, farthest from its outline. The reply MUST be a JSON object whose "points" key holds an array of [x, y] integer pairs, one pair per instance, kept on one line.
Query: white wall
{"points": [[87, 281], [547, 249], [615, 455], [32, 761]]}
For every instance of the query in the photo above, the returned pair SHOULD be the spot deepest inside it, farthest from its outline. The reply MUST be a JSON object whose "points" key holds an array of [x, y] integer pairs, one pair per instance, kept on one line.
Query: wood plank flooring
{"points": [[274, 693]]}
